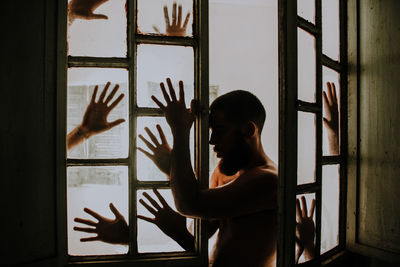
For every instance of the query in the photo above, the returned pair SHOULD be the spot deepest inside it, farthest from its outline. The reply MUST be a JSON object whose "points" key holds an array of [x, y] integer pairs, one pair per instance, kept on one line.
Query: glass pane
{"points": [[306, 66], [113, 143], [306, 9], [150, 237], [95, 188], [146, 169], [152, 20], [333, 147], [155, 63], [330, 207], [330, 28], [248, 63], [306, 148], [309, 199], [98, 37]]}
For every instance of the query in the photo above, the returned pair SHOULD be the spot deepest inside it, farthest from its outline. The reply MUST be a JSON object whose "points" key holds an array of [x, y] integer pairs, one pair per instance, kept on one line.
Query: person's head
{"points": [[236, 121]]}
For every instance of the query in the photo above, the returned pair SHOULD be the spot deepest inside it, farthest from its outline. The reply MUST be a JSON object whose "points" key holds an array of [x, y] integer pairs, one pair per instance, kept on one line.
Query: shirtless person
{"points": [[246, 207]]}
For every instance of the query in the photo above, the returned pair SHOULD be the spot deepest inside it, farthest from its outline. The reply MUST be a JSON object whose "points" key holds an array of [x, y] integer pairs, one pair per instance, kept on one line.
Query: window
{"points": [[131, 49], [318, 36], [127, 49]]}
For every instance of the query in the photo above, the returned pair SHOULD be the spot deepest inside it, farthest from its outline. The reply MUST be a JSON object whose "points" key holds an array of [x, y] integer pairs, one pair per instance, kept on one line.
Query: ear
{"points": [[249, 129]]}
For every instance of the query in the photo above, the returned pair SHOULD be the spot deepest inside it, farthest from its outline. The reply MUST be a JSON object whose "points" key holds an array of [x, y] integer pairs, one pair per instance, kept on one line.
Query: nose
{"points": [[212, 139]]}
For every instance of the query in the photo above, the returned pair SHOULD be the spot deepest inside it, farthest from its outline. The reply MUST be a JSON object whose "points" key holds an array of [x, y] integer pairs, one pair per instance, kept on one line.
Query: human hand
{"points": [[169, 221], [110, 231], [305, 229], [175, 28], [176, 114], [83, 9], [161, 152], [331, 121], [95, 118]]}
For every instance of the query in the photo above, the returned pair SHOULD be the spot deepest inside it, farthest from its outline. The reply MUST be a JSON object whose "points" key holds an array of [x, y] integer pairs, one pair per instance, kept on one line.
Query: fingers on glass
{"points": [[152, 201], [186, 20], [159, 104], [304, 207], [147, 143], [84, 221], [94, 94], [94, 214], [87, 239], [115, 211], [181, 92], [174, 14], [152, 136], [162, 135], [166, 17], [103, 94], [179, 15], [85, 229], [111, 95], [160, 198], [148, 207], [171, 89]]}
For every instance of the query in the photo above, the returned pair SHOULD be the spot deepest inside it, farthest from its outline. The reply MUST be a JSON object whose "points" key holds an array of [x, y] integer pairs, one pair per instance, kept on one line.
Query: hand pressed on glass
{"points": [[331, 121], [176, 28], [113, 231], [95, 118], [305, 230], [169, 221], [161, 152], [83, 9], [176, 113]]}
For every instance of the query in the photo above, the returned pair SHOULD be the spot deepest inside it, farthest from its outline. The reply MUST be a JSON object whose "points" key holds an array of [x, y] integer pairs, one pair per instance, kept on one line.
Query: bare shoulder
{"points": [[262, 175]]}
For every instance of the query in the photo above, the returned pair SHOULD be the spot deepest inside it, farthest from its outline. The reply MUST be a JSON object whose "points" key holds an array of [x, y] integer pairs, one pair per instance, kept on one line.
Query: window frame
{"points": [[199, 43], [289, 22]]}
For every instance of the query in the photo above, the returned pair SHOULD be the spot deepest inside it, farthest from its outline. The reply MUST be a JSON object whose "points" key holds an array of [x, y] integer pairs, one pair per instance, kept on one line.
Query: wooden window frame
{"points": [[289, 105], [199, 42]]}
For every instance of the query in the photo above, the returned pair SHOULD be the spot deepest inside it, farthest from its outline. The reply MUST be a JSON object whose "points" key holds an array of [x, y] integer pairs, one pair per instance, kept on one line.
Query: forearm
{"points": [[76, 136], [185, 240], [183, 180]]}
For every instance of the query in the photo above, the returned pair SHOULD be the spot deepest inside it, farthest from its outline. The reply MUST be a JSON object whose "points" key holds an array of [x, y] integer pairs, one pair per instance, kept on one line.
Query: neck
{"points": [[260, 159]]}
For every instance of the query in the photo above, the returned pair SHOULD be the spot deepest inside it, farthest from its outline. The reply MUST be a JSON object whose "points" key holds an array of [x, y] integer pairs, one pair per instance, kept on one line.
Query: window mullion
{"points": [[132, 7], [318, 22]]}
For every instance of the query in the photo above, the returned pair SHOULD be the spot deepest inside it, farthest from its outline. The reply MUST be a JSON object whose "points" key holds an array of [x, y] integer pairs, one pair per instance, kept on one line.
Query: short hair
{"points": [[240, 106]]}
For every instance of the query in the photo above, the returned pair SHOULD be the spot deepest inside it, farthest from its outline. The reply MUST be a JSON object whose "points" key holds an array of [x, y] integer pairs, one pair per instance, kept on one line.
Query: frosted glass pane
{"points": [[95, 188], [330, 207], [309, 198], [330, 28], [151, 19], [248, 63], [100, 37], [306, 148], [150, 237], [113, 143], [306, 66], [155, 63], [146, 169], [329, 75], [306, 9]]}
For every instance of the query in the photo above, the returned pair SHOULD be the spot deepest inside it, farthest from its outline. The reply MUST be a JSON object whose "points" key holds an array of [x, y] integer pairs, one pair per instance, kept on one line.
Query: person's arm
{"points": [[108, 230], [251, 192], [95, 118], [305, 230], [83, 9], [331, 121]]}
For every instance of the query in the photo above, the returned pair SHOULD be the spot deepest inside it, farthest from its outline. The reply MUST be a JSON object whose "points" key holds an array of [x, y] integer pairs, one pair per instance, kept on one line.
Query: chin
{"points": [[228, 168]]}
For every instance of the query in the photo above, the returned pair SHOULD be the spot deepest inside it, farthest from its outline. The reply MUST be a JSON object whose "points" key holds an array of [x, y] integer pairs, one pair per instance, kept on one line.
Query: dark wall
{"points": [[27, 143], [379, 185]]}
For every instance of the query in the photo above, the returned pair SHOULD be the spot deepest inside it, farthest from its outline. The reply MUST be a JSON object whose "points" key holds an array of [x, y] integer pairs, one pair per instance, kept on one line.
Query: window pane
{"points": [[151, 19], [150, 237], [330, 75], [306, 9], [309, 198], [306, 56], [100, 37], [330, 207], [113, 143], [248, 63], [95, 188], [155, 63], [306, 148], [146, 169], [330, 28]]}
